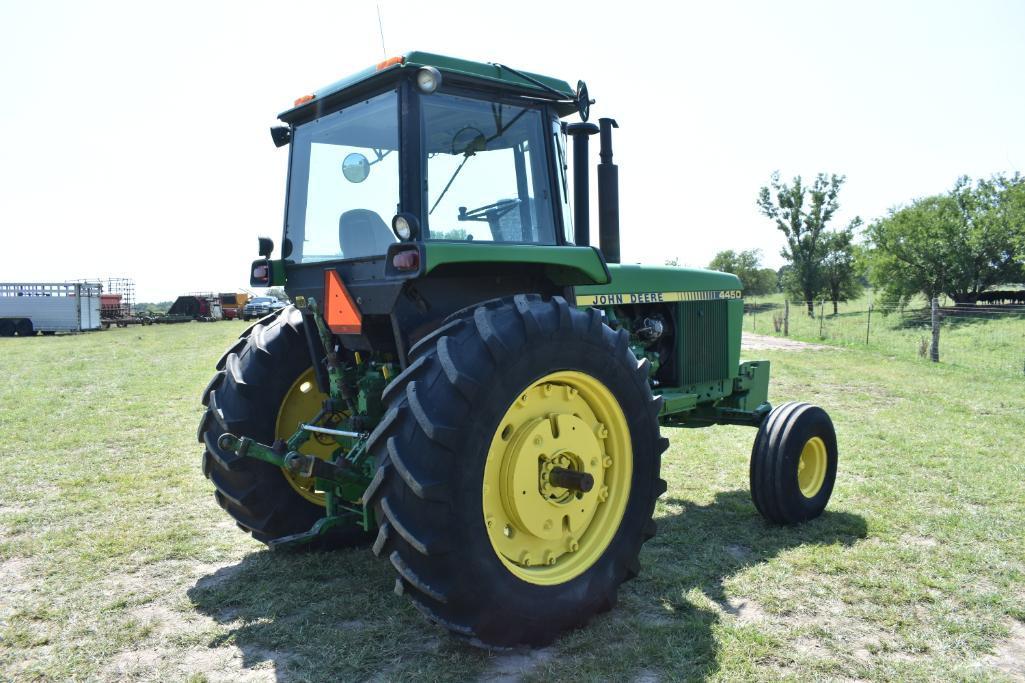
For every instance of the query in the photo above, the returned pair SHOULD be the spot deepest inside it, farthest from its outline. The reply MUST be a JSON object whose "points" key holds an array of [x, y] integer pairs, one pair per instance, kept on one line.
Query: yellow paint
{"points": [[543, 534], [626, 298], [811, 467], [302, 402]]}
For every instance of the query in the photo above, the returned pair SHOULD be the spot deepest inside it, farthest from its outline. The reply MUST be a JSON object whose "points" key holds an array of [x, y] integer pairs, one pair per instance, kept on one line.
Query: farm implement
{"points": [[463, 382]]}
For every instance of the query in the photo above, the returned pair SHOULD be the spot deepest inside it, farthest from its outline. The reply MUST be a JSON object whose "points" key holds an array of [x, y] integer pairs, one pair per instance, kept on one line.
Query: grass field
{"points": [[116, 564], [990, 340]]}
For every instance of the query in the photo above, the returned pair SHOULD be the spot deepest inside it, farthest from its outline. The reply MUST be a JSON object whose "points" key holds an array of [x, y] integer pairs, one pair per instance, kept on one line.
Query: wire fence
{"points": [[987, 337]]}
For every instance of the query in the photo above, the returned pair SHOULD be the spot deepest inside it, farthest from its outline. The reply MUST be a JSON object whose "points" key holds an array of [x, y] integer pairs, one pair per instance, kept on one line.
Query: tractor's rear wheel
{"points": [[263, 387], [793, 463], [518, 467]]}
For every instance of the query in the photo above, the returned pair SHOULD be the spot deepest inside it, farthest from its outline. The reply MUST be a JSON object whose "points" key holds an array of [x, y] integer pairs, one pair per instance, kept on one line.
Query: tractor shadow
{"points": [[332, 615]]}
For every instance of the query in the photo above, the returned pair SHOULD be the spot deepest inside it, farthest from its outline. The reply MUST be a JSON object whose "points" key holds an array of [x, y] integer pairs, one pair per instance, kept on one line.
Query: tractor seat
{"points": [[362, 232]]}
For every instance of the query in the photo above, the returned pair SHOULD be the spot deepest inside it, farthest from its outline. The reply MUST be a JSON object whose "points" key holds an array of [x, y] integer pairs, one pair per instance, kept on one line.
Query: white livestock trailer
{"points": [[30, 307]]}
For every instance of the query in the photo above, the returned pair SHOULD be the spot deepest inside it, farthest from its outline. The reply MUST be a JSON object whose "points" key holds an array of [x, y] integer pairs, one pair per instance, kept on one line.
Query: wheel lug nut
{"points": [[607, 462]]}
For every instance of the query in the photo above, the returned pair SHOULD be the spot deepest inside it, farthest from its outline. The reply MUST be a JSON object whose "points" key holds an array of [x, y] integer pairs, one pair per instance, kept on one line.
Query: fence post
{"points": [[868, 324], [821, 305], [786, 318], [934, 349]]}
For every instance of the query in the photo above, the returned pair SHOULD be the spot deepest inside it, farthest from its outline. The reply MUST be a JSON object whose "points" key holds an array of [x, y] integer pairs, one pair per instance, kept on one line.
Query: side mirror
{"points": [[266, 246], [281, 135], [583, 101], [355, 167]]}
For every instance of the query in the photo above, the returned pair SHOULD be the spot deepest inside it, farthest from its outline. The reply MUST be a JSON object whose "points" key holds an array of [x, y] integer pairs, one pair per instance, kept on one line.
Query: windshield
{"points": [[344, 182], [487, 179]]}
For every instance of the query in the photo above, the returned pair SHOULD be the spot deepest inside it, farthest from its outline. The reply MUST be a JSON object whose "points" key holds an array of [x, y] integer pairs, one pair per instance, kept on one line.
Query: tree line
{"points": [[960, 243]]}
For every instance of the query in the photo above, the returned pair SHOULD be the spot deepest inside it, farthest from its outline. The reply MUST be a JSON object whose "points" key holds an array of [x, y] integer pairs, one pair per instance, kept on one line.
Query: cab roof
{"points": [[489, 73]]}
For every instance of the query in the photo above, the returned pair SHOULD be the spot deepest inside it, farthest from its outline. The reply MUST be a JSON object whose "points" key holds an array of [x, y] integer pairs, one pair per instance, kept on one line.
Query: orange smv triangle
{"points": [[340, 312]]}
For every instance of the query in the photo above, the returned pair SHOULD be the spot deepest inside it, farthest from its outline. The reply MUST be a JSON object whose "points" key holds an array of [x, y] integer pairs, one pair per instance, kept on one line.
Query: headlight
{"points": [[405, 226]]}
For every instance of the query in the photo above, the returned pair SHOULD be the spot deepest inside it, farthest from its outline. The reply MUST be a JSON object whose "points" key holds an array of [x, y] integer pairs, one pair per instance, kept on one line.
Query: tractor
{"points": [[463, 382]]}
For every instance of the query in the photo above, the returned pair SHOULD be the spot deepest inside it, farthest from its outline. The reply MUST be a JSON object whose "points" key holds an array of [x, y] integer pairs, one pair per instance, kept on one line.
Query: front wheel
{"points": [[793, 463], [518, 470]]}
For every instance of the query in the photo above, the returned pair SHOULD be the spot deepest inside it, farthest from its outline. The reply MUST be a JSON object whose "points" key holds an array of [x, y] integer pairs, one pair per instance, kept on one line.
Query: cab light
{"points": [[406, 260], [391, 61], [303, 100]]}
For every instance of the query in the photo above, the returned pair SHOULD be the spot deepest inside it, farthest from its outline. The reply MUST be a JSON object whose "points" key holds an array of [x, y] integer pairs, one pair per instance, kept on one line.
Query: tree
{"points": [[840, 273], [747, 266], [957, 244], [277, 292], [785, 205]]}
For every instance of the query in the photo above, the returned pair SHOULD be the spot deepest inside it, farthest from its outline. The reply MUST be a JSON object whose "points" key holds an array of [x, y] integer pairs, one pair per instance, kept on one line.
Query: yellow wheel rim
{"points": [[811, 467], [545, 534], [302, 402]]}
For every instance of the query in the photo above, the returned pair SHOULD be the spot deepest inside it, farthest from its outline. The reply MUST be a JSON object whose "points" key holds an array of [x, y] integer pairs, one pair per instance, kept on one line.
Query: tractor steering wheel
{"points": [[488, 212]]}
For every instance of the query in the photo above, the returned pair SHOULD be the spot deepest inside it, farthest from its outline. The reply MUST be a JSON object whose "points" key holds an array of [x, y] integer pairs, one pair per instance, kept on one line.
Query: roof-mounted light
{"points": [[302, 100], [428, 79]]}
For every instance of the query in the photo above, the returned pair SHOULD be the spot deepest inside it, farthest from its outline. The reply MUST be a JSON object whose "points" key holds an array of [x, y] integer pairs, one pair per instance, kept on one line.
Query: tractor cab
{"points": [[427, 148], [406, 170]]}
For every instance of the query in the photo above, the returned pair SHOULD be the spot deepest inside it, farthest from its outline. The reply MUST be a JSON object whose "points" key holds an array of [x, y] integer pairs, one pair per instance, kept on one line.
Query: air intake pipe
{"points": [[581, 173], [608, 194]]}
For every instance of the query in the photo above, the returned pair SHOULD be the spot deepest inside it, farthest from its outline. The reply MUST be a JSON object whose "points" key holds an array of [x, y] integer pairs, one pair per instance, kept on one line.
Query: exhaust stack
{"points": [[608, 194], [581, 173]]}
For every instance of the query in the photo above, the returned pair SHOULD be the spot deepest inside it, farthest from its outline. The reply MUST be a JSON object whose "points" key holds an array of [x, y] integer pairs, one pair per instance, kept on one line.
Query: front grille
{"points": [[703, 341]]}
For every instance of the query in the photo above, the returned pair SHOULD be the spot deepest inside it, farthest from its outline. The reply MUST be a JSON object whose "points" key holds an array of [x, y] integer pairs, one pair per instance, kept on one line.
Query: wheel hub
{"points": [[551, 470], [811, 467]]}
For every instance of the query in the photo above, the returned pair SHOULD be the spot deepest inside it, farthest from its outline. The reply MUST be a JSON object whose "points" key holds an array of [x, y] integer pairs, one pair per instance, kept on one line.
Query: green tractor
{"points": [[474, 390]]}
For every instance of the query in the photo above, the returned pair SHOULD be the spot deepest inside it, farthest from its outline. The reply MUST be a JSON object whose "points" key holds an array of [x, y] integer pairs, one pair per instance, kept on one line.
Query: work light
{"points": [[405, 226], [428, 79]]}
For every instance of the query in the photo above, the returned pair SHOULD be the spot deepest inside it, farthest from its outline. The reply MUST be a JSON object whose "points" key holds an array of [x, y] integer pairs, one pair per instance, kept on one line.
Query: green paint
{"points": [[564, 265], [628, 278], [481, 70]]}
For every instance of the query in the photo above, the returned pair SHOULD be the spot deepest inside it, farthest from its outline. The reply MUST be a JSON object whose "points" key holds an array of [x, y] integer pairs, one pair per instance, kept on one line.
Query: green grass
{"points": [[991, 341], [116, 564]]}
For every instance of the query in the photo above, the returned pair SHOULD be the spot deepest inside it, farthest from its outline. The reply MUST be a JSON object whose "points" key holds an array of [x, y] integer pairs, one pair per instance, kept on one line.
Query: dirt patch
{"points": [[763, 342], [743, 610], [513, 665], [1009, 656], [13, 584]]}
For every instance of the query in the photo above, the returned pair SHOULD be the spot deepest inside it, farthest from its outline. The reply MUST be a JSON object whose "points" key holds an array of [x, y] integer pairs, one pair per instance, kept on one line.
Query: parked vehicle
{"points": [[28, 308], [232, 304], [477, 387], [261, 306]]}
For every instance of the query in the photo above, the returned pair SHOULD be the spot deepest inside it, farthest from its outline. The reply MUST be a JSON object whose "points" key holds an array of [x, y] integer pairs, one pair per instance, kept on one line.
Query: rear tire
{"points": [[6, 328], [437, 443], [24, 328], [244, 397], [793, 463]]}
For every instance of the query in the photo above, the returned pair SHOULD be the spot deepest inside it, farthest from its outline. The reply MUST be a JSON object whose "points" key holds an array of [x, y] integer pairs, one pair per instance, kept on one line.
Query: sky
{"points": [[136, 140]]}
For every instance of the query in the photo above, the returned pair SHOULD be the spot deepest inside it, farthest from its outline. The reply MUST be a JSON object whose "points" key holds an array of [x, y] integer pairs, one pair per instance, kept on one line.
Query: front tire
{"points": [[493, 400], [250, 396], [793, 463]]}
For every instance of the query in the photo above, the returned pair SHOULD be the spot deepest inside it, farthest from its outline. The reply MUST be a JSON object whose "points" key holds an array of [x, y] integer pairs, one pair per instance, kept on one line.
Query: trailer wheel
{"points": [[793, 463], [518, 467], [263, 387], [7, 328], [24, 328]]}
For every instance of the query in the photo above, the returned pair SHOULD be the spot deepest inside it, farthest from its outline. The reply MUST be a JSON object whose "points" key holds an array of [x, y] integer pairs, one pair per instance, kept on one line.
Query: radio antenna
{"points": [[380, 26]]}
